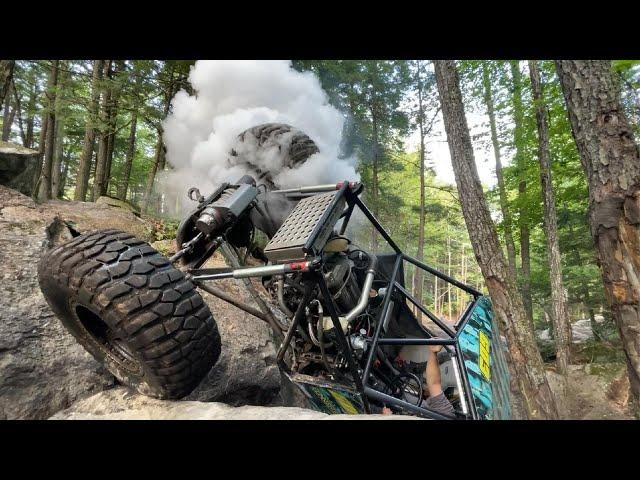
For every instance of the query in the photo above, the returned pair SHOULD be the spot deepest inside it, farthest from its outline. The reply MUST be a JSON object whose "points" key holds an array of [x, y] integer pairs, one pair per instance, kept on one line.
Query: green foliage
{"points": [[159, 230], [581, 274], [379, 99]]}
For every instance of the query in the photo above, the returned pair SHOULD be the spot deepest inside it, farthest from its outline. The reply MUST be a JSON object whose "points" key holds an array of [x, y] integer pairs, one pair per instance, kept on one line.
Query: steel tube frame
{"points": [[314, 279], [394, 286], [425, 412], [416, 341]]}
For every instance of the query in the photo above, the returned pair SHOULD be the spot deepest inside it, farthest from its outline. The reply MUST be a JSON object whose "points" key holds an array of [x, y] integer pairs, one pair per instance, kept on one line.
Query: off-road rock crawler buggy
{"points": [[349, 339]]}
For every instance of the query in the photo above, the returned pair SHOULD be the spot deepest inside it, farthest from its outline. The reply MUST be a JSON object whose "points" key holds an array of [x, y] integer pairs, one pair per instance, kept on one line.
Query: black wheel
{"points": [[132, 310], [290, 144]]}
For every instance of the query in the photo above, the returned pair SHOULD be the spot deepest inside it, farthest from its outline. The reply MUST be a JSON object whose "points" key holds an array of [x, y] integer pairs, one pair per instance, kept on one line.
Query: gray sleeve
{"points": [[440, 404]]}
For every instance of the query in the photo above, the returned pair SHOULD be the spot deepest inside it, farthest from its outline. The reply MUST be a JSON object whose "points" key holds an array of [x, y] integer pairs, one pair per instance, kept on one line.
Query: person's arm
{"points": [[437, 400], [432, 373]]}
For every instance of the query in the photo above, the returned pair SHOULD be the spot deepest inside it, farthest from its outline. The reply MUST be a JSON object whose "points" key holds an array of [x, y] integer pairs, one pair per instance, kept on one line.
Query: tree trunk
{"points": [[507, 303], [436, 303], [611, 160], [112, 119], [521, 165], [57, 159], [592, 315], [419, 275], [160, 150], [502, 190], [44, 120], [153, 172], [449, 274], [8, 115], [99, 181], [131, 150], [6, 76], [44, 189], [559, 308], [56, 170], [375, 197], [84, 167], [31, 107], [463, 278], [23, 135], [64, 175]]}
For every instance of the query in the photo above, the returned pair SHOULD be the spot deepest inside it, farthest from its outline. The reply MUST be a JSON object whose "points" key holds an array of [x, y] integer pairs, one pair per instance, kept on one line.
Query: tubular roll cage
{"points": [[312, 270]]}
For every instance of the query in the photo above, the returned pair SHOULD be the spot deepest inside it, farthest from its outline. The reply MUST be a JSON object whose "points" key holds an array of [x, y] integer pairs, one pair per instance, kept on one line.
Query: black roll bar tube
{"points": [[342, 339], [443, 276], [308, 290], [431, 316], [374, 221], [384, 398], [416, 341], [383, 314]]}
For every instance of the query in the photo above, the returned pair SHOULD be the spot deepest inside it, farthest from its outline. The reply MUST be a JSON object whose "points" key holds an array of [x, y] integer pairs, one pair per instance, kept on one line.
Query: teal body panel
{"points": [[483, 352]]}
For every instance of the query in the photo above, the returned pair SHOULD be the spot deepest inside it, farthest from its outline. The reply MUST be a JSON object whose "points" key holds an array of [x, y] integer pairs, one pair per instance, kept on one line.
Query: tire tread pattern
{"points": [[143, 299]]}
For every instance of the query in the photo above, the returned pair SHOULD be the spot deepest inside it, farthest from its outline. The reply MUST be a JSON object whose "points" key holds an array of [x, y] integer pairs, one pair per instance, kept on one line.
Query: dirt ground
{"points": [[597, 387]]}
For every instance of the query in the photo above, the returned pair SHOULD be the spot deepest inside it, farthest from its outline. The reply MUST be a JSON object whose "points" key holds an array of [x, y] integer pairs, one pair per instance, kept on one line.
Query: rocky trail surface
{"points": [[42, 368], [122, 404]]}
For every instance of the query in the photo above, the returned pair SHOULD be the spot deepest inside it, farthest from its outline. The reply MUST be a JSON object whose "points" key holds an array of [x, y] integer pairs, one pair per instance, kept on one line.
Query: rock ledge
{"points": [[122, 404]]}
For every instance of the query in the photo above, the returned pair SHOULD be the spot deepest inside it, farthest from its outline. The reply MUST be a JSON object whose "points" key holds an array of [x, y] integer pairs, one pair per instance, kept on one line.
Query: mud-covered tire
{"points": [[132, 310], [294, 145]]}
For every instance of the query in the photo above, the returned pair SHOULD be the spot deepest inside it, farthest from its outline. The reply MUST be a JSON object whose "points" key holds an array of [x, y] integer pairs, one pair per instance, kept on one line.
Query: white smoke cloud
{"points": [[232, 96]]}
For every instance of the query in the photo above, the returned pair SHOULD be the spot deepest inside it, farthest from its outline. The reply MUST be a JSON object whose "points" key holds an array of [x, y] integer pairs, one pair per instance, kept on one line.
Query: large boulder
{"points": [[44, 370], [116, 202], [122, 404], [18, 167]]}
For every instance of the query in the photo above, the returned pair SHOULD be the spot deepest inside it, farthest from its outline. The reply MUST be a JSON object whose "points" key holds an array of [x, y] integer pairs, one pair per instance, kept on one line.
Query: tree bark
{"points": [[418, 275], [23, 135], [56, 169], [449, 274], [160, 149], [507, 303], [521, 165], [153, 172], [375, 197], [112, 121], [64, 175], [31, 107], [44, 120], [57, 158], [6, 75], [502, 190], [99, 181], [611, 160], [84, 167], [44, 189], [559, 308], [131, 150], [8, 115]]}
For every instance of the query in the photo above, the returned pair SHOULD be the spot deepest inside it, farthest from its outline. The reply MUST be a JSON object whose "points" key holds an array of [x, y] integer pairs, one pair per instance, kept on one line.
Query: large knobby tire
{"points": [[132, 310], [294, 147]]}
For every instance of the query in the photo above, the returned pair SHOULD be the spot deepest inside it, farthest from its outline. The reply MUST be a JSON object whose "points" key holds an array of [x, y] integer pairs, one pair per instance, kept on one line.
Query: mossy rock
{"points": [[116, 202], [18, 167]]}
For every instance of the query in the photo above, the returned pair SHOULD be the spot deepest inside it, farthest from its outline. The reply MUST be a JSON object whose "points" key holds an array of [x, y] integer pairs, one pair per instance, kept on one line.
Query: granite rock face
{"points": [[122, 404], [18, 167], [43, 369]]}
